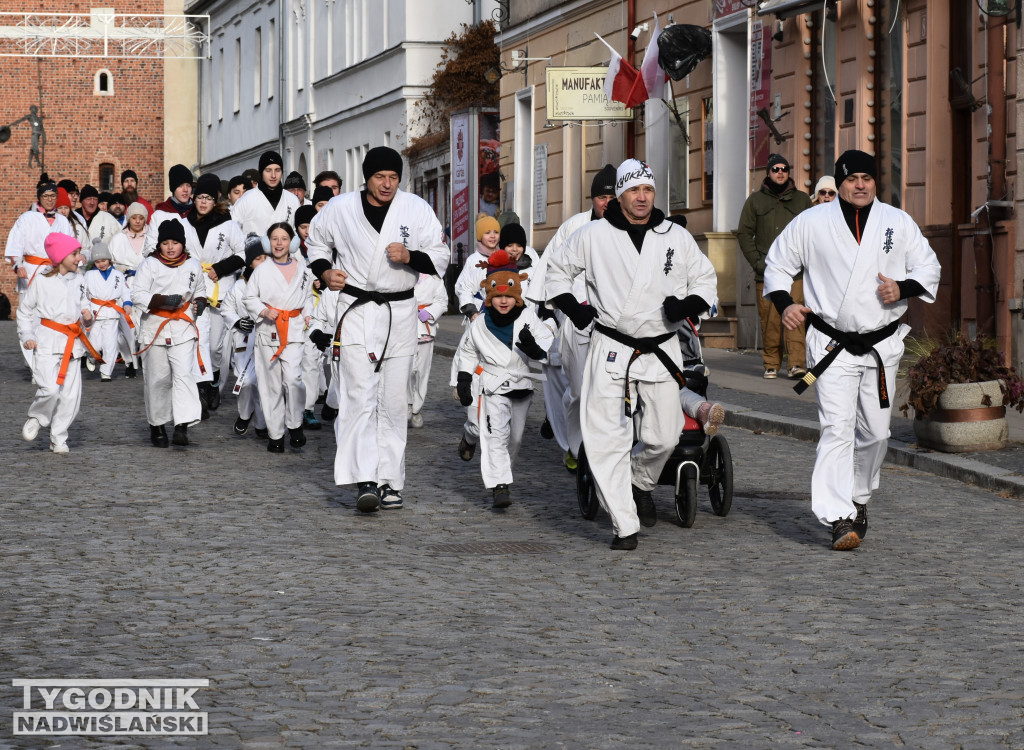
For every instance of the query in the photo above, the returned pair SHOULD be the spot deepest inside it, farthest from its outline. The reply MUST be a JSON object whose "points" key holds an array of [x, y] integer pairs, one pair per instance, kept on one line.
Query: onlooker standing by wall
{"points": [[765, 214], [824, 191]]}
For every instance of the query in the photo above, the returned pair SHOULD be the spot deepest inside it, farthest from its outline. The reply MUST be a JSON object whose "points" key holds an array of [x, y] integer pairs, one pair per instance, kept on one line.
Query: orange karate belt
{"points": [[112, 304], [168, 316], [72, 331], [39, 261], [281, 321]]}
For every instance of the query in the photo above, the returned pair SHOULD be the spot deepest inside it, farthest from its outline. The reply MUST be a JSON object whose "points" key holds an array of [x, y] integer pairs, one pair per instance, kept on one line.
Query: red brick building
{"points": [[100, 116]]}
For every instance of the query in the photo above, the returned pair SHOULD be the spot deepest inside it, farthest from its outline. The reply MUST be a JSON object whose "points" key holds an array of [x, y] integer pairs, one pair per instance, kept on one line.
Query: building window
{"points": [[103, 83], [257, 68], [271, 60], [106, 177], [238, 75], [220, 86], [679, 154], [708, 153]]}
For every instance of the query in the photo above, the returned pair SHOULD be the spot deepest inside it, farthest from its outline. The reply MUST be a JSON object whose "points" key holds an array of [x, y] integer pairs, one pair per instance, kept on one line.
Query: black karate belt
{"points": [[855, 343], [651, 345], [364, 297]]}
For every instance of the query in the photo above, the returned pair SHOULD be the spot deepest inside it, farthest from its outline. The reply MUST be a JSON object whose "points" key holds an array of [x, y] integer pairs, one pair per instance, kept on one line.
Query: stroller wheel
{"points": [[686, 501], [586, 492], [718, 470]]}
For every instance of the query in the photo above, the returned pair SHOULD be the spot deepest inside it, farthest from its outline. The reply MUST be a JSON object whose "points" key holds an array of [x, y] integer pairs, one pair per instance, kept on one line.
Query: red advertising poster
{"points": [[461, 161], [760, 93], [487, 164], [722, 8]]}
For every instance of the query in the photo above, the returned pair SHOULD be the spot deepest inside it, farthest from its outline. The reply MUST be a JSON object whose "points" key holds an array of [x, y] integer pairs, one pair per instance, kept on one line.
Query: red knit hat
{"points": [[62, 198]]}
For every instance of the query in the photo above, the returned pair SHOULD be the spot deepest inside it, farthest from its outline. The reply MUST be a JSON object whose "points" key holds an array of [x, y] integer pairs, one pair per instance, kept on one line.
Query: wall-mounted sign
{"points": [[578, 94]]}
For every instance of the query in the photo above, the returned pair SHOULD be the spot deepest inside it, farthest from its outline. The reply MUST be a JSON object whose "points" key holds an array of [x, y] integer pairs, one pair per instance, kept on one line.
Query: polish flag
{"points": [[653, 74], [623, 83]]}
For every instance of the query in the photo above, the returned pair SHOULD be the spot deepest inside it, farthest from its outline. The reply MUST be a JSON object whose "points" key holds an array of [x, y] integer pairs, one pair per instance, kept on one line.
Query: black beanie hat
{"points": [[254, 248], [129, 173], [512, 234], [46, 185], [118, 198], [68, 185], [208, 184], [88, 192], [170, 229], [304, 214], [854, 162], [106, 197], [178, 175], [270, 157], [774, 159], [322, 193], [604, 182], [382, 159], [294, 180]]}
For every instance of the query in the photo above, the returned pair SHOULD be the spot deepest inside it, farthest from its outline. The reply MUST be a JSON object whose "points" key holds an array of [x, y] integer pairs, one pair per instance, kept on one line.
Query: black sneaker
{"points": [[158, 436], [180, 436], [241, 426], [502, 496], [129, 371], [275, 445], [262, 433], [328, 413], [645, 509], [843, 535], [368, 500], [545, 430], [390, 498], [296, 437], [309, 420], [625, 542], [860, 523], [466, 450]]}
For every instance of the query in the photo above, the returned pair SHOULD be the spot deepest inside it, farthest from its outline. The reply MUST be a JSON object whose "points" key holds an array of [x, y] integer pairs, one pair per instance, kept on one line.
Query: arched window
{"points": [[107, 177], [103, 83]]}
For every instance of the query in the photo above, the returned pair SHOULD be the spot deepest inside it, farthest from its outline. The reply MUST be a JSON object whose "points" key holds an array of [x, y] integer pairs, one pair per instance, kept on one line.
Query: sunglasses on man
{"points": [[779, 170]]}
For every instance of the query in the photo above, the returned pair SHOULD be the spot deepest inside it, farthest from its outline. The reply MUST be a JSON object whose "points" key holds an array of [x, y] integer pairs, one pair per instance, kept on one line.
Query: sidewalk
{"points": [[753, 403]]}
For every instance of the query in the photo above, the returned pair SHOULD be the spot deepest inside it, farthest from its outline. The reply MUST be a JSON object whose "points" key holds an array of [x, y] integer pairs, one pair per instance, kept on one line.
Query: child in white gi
{"points": [[111, 301], [497, 347], [50, 323], [312, 357], [431, 303], [241, 326], [279, 297], [168, 289]]}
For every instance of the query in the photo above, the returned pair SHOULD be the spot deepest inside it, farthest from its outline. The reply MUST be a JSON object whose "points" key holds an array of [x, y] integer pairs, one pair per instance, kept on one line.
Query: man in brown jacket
{"points": [[765, 214]]}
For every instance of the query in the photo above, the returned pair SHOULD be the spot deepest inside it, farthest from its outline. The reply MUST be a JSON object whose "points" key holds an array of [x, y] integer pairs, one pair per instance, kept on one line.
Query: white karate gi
{"points": [[25, 249], [170, 357], [371, 427], [103, 226], [243, 364], [60, 298], [254, 213], [123, 253], [325, 319], [282, 393], [432, 297], [500, 370], [109, 325], [628, 290], [841, 286]]}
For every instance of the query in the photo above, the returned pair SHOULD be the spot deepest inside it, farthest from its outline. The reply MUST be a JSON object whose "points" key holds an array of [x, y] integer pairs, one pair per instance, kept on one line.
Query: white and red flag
{"points": [[623, 83], [653, 74]]}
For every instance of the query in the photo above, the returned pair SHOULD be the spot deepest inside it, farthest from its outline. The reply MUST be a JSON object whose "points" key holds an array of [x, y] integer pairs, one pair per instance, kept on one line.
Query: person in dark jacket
{"points": [[765, 214]]}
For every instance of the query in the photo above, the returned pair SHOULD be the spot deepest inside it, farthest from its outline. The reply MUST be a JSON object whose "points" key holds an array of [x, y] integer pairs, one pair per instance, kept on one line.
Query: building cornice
{"points": [[555, 17]]}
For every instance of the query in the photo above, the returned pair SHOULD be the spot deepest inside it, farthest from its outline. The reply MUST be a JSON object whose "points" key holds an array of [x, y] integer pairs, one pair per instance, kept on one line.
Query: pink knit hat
{"points": [[59, 246]]}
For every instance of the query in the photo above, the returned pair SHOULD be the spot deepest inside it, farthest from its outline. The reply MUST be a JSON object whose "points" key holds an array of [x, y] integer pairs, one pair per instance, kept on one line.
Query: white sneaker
{"points": [[417, 420], [90, 364], [31, 429], [62, 448]]}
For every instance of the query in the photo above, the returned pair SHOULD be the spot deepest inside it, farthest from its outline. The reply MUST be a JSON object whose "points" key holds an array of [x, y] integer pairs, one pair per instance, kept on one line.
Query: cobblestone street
{"points": [[319, 627]]}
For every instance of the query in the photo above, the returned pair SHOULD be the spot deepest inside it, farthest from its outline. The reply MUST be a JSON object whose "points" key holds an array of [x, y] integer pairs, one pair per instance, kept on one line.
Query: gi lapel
{"points": [[865, 268]]}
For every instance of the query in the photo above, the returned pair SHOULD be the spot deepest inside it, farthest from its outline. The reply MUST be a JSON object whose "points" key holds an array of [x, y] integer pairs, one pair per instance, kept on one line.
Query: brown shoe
{"points": [[844, 537]]}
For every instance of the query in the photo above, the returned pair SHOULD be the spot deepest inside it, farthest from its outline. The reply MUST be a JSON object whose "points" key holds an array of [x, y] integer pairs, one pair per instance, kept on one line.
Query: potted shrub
{"points": [[959, 391]]}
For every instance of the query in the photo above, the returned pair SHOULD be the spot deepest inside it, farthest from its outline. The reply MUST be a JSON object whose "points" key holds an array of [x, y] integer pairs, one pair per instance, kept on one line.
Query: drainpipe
{"points": [[282, 35], [631, 58], [996, 178]]}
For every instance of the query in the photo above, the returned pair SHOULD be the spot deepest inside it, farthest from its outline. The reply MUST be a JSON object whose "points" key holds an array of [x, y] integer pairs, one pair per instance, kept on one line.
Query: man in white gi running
{"points": [[371, 246], [862, 261], [644, 276]]}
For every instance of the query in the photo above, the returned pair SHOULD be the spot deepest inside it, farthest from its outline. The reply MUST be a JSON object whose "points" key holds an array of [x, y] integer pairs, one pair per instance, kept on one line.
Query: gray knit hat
{"points": [[100, 251]]}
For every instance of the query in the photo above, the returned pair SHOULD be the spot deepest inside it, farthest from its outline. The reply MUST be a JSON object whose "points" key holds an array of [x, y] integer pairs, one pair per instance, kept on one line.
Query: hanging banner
{"points": [[760, 93], [461, 158]]}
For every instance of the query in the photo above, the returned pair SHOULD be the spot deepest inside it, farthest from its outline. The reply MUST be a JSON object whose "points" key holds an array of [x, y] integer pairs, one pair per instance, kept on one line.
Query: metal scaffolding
{"points": [[104, 34]]}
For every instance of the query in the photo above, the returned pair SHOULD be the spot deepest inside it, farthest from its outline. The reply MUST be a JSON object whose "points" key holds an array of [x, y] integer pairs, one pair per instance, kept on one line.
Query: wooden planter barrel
{"points": [[962, 423]]}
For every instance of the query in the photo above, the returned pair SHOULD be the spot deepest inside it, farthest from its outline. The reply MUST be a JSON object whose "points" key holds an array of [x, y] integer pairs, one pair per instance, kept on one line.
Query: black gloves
{"points": [[528, 345], [321, 339], [245, 325], [544, 313], [581, 315], [165, 302], [469, 310], [464, 388], [676, 309], [200, 305]]}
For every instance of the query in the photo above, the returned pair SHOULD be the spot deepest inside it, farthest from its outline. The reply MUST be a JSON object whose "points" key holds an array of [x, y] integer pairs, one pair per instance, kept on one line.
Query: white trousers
{"points": [[502, 421], [854, 438], [555, 386], [312, 373], [106, 336], [282, 394], [608, 438], [419, 376], [248, 397], [574, 362], [56, 405], [171, 392], [372, 424]]}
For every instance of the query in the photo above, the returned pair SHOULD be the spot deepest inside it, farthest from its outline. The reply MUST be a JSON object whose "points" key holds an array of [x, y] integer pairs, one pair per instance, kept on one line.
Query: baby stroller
{"points": [[695, 460]]}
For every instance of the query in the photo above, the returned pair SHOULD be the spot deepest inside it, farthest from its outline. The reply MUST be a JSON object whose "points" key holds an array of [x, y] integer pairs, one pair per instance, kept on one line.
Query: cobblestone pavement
{"points": [[321, 628]]}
